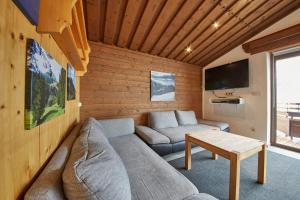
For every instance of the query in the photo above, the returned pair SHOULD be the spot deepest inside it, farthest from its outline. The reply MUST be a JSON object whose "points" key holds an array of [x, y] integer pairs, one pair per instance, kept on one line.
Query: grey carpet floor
{"points": [[212, 176]]}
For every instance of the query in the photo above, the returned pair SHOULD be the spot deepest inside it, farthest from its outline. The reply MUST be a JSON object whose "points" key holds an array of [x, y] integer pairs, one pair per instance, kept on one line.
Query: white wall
{"points": [[247, 119], [253, 118]]}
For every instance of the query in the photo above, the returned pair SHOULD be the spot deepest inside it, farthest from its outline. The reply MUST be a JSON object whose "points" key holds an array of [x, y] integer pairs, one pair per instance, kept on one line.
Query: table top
{"points": [[227, 141]]}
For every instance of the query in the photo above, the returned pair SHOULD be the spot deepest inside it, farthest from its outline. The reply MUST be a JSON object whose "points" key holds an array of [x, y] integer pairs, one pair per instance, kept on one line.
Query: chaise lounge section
{"points": [[105, 160], [166, 130]]}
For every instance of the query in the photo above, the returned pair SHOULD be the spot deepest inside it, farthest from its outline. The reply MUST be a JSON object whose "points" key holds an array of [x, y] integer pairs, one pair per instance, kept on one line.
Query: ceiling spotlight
{"points": [[188, 49], [216, 25]]}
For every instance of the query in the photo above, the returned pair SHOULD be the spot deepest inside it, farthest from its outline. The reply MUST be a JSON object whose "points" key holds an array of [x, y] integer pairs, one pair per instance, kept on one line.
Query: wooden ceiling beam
{"points": [[114, 17], [218, 11], [223, 30], [230, 15], [93, 17], [151, 13], [134, 10], [286, 37], [195, 20], [102, 19], [270, 17], [180, 19], [244, 24], [166, 16]]}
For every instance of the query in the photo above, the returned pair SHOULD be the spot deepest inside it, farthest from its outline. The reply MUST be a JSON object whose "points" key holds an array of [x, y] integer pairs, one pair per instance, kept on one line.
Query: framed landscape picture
{"points": [[162, 86], [45, 86], [71, 83]]}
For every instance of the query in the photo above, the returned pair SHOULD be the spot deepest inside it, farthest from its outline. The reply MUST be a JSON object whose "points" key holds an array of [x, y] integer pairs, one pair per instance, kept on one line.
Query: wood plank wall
{"points": [[23, 152], [117, 84]]}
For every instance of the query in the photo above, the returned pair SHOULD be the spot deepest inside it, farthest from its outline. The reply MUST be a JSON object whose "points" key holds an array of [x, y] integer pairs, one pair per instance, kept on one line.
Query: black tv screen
{"points": [[233, 75]]}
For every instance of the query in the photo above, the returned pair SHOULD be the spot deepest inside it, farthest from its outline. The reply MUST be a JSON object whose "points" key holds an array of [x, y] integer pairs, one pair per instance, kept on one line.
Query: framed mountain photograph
{"points": [[45, 86], [71, 83], [162, 86]]}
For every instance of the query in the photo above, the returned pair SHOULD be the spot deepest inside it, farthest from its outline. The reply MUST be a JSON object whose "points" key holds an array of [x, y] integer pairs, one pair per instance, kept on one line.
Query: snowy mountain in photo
{"points": [[162, 86]]}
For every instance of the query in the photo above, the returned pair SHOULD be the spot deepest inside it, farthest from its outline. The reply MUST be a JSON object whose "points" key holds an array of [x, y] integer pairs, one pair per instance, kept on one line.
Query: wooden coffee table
{"points": [[232, 147]]}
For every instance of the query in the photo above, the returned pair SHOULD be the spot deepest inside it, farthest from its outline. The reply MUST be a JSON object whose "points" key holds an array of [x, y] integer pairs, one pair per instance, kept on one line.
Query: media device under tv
{"points": [[232, 75]]}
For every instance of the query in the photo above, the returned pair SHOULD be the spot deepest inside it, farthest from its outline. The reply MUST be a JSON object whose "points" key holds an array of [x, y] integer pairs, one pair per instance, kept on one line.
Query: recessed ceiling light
{"points": [[216, 25], [188, 49]]}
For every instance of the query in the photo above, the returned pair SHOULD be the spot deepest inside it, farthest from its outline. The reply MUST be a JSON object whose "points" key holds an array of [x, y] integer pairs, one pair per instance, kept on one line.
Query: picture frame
{"points": [[44, 88], [162, 86]]}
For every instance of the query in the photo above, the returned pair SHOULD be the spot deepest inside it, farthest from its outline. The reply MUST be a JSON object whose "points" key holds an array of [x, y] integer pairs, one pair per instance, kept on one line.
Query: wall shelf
{"points": [[65, 22], [227, 100]]}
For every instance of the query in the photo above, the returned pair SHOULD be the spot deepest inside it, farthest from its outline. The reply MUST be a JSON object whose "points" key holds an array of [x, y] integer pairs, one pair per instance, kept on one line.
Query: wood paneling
{"points": [[23, 152], [253, 26], [281, 39], [118, 84], [166, 27]]}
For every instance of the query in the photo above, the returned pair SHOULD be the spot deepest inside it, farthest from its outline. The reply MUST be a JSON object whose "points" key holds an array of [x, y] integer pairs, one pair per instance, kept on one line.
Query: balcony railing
{"points": [[284, 108]]}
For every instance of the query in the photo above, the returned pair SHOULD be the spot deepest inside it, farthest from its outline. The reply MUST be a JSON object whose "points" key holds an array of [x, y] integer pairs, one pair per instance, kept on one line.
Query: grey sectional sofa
{"points": [[105, 160], [166, 130]]}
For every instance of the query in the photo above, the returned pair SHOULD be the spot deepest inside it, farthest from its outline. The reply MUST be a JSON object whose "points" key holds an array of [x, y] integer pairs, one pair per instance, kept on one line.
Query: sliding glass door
{"points": [[285, 100]]}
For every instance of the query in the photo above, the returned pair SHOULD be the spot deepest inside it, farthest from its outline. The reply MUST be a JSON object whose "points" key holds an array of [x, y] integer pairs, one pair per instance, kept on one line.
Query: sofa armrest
{"points": [[200, 196], [222, 125], [151, 136]]}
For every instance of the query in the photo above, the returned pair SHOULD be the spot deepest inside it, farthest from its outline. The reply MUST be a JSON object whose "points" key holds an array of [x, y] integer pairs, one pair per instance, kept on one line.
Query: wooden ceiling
{"points": [[166, 27]]}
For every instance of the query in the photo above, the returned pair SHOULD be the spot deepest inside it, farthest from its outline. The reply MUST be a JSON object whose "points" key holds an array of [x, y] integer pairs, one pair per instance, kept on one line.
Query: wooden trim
{"points": [[233, 27], [213, 34], [280, 39], [150, 14], [55, 17], [165, 17], [70, 35], [181, 54], [177, 24], [197, 18], [265, 20], [224, 42], [204, 24]]}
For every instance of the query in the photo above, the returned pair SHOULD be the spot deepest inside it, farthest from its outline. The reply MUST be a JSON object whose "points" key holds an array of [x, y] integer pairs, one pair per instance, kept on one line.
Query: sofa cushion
{"points": [[222, 125], [150, 176], [164, 119], [201, 196], [186, 117], [94, 170], [151, 136], [178, 134], [117, 127], [48, 186]]}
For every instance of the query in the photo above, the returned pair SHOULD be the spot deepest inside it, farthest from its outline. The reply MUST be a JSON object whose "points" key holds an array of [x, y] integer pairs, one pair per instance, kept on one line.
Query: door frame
{"points": [[273, 59]]}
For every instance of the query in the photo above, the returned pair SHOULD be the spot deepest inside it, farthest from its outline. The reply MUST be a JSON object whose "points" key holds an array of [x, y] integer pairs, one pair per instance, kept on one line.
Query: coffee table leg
{"points": [[214, 156], [234, 186], [262, 165], [188, 159]]}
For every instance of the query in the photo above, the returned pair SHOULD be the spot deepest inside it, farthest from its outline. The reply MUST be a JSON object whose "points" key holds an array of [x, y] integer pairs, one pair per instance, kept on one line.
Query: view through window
{"points": [[288, 100]]}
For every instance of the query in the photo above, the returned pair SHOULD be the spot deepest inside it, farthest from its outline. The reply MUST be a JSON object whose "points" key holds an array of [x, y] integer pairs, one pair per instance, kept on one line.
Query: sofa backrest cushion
{"points": [[48, 186], [162, 119], [94, 170], [117, 127], [186, 117]]}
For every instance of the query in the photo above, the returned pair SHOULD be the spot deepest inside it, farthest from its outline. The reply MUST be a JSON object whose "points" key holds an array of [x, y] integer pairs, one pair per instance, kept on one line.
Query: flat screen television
{"points": [[229, 76]]}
